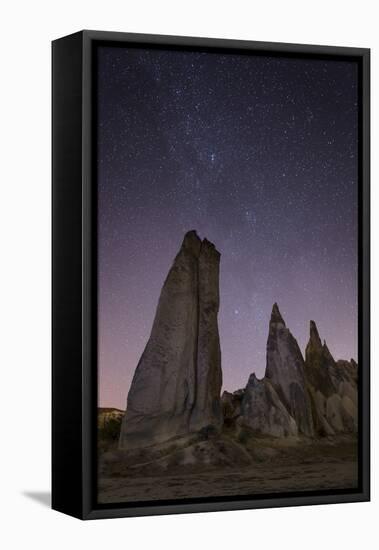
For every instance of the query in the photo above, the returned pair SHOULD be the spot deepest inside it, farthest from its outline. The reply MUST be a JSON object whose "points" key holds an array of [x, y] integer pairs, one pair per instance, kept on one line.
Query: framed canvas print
{"points": [[210, 275]]}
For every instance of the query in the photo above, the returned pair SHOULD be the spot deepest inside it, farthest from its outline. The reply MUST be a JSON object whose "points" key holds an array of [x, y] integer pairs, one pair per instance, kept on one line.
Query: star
{"points": [[259, 155]]}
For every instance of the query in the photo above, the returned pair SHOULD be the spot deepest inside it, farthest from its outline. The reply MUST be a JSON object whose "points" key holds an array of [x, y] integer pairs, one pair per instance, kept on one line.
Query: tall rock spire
{"points": [[318, 359], [207, 405], [314, 337], [276, 316], [176, 386], [333, 389], [285, 371]]}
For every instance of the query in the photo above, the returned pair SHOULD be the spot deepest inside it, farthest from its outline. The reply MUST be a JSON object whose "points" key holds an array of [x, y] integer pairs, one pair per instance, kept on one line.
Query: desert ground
{"points": [[187, 469]]}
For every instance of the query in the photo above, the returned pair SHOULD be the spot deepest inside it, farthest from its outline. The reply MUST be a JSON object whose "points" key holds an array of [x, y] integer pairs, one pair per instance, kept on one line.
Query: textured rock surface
{"points": [[177, 382], [285, 371], [231, 405], [208, 376], [317, 363], [332, 386], [263, 412]]}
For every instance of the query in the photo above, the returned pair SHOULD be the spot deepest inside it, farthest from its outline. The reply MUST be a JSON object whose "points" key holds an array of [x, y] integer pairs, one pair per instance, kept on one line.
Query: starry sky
{"points": [[258, 154]]}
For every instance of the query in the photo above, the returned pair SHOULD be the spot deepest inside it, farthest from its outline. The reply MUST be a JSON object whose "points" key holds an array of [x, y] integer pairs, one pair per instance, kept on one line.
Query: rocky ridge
{"points": [[175, 415], [313, 397], [332, 387]]}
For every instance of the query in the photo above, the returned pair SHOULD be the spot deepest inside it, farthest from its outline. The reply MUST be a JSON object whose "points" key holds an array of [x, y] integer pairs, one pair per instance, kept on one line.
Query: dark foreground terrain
{"points": [[205, 466]]}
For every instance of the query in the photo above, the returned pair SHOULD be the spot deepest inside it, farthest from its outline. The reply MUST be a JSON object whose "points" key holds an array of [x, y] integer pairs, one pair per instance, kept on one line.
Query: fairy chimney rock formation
{"points": [[332, 387], [317, 361], [263, 411], [176, 386], [285, 372], [314, 337], [206, 410]]}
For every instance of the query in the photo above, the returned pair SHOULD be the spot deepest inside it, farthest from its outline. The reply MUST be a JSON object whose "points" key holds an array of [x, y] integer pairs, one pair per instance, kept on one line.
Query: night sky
{"points": [[259, 155]]}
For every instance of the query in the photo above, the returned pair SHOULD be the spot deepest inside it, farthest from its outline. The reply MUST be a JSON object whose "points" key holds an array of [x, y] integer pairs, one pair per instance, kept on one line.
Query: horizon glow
{"points": [[259, 155]]}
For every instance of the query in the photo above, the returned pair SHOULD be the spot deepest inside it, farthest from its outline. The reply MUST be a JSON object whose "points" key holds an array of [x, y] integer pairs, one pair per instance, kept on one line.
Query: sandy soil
{"points": [[277, 467]]}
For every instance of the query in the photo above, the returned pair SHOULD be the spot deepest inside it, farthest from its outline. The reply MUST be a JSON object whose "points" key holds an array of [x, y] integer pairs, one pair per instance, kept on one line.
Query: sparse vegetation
{"points": [[109, 424]]}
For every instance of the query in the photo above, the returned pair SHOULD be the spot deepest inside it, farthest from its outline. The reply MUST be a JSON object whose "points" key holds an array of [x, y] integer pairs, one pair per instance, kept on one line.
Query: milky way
{"points": [[259, 155]]}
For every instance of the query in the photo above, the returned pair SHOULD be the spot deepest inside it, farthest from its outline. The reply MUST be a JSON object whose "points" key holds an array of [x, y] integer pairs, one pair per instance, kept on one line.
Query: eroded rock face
{"points": [[263, 412], [231, 405], [177, 382], [318, 361], [206, 410], [333, 388], [285, 372]]}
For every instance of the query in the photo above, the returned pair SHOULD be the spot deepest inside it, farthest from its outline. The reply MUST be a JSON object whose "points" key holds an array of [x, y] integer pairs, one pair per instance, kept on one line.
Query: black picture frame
{"points": [[74, 294]]}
